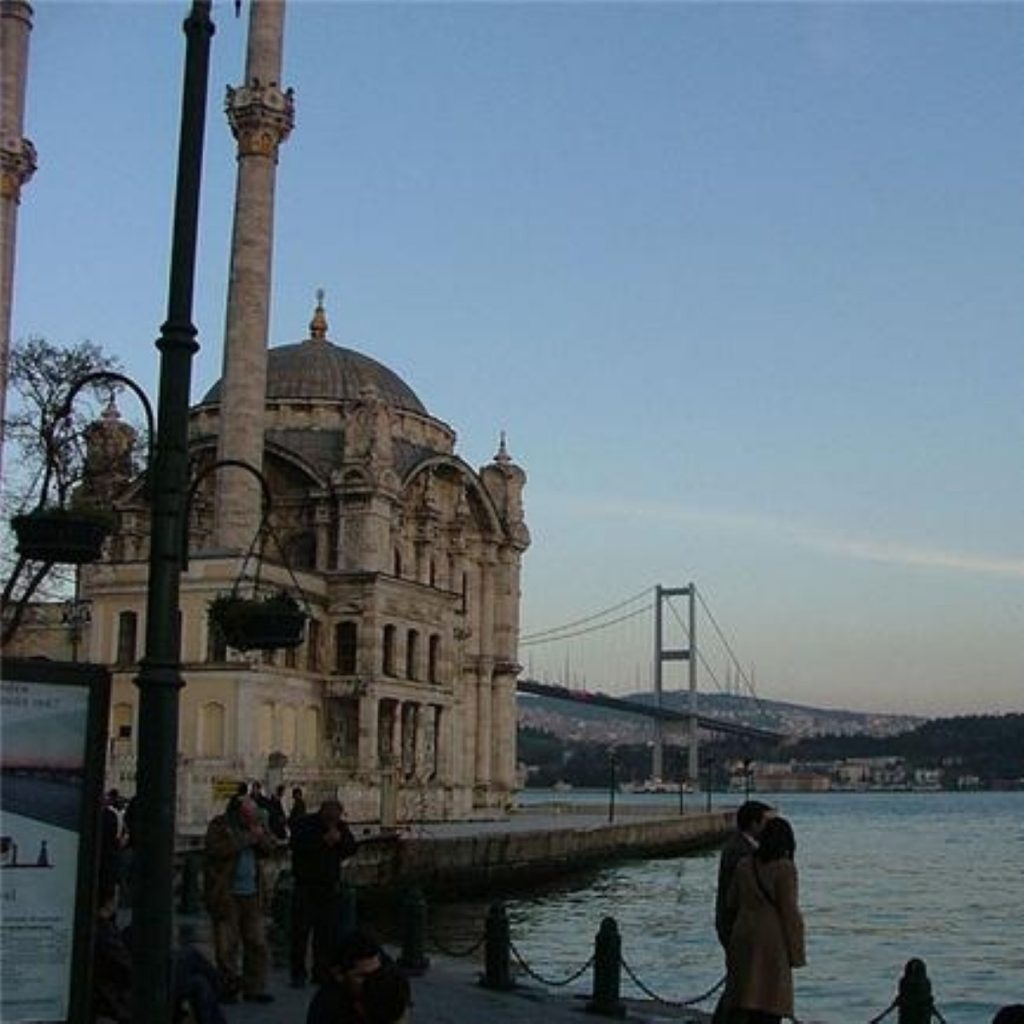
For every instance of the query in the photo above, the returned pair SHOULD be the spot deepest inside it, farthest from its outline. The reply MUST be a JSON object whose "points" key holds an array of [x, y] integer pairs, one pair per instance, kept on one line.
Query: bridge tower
{"points": [[663, 654]]}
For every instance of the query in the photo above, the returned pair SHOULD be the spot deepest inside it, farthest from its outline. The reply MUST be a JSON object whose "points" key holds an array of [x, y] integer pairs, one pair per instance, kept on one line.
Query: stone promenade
{"points": [[449, 993]]}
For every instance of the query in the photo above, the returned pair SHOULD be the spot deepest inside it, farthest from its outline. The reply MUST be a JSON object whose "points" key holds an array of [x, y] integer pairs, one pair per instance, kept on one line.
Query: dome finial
{"points": [[502, 455], [318, 325]]}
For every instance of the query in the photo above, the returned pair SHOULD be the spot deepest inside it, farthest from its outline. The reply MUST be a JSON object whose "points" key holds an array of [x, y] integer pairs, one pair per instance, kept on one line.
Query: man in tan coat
{"points": [[235, 840]]}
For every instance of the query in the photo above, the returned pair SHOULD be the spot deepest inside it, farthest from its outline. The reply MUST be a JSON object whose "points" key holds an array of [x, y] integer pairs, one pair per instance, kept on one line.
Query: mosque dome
{"points": [[316, 368]]}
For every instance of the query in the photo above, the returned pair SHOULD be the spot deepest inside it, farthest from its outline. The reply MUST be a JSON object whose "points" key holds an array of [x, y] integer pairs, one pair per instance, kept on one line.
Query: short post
{"points": [[188, 896], [709, 768], [605, 1000], [413, 957], [281, 915], [497, 950], [915, 994]]}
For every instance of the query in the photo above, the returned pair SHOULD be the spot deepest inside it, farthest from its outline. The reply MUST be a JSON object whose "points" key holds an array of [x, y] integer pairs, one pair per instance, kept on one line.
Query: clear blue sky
{"points": [[743, 284]]}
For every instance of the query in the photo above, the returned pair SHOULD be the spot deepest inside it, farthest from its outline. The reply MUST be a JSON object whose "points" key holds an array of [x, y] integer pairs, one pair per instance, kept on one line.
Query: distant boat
{"points": [[655, 786], [562, 787]]}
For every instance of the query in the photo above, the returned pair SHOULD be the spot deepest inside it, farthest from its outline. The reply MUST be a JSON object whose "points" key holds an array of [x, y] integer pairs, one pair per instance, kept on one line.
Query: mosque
{"points": [[401, 697]]}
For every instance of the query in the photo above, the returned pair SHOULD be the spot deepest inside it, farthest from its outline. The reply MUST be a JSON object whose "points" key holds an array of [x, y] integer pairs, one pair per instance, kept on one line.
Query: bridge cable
{"points": [[540, 638], [589, 618]]}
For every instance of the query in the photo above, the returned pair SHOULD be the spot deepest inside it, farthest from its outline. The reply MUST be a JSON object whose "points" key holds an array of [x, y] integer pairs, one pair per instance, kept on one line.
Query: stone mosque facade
{"points": [[403, 691], [401, 698]]}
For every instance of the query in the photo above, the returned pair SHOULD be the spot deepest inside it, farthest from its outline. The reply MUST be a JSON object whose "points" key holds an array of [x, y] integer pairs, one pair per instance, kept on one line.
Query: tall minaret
{"points": [[261, 116], [17, 163]]}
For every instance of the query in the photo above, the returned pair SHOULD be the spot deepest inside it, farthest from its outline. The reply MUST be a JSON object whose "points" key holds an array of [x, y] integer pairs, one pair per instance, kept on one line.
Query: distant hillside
{"points": [[569, 720]]}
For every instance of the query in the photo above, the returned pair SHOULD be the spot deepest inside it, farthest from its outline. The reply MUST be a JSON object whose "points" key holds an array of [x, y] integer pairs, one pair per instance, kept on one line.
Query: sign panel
{"points": [[52, 720]]}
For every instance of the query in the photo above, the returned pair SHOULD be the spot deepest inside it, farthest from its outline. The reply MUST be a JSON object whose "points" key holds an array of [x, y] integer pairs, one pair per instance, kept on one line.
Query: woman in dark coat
{"points": [[767, 938]]}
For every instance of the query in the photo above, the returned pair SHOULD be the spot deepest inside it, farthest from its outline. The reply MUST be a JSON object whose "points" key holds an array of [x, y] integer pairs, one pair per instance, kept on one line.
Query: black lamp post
{"points": [[708, 770], [159, 679]]}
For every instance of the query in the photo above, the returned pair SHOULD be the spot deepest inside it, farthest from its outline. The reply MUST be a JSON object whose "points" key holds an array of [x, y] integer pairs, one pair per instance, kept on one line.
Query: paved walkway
{"points": [[449, 993]]}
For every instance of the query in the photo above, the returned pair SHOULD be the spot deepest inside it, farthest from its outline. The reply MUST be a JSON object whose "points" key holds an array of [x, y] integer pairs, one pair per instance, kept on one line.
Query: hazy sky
{"points": [[743, 283]]}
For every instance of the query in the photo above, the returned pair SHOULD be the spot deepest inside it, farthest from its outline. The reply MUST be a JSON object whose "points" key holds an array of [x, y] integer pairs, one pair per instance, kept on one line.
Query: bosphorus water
{"points": [[883, 877]]}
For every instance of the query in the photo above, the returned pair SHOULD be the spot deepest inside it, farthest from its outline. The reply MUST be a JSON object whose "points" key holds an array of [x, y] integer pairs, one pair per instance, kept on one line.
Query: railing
{"points": [[913, 1003]]}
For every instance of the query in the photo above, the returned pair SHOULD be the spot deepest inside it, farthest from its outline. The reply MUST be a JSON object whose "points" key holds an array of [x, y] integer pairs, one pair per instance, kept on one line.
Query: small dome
{"points": [[317, 368]]}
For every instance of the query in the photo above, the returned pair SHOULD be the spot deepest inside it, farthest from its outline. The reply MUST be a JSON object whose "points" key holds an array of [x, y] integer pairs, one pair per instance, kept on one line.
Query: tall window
{"points": [[211, 739], [465, 592], [398, 562], [388, 654], [127, 637], [313, 646], [345, 648], [216, 645], [433, 657], [411, 654]]}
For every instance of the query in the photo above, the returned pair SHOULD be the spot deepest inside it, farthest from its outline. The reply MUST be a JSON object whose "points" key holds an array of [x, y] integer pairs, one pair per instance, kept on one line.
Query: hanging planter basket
{"points": [[61, 535], [259, 623]]}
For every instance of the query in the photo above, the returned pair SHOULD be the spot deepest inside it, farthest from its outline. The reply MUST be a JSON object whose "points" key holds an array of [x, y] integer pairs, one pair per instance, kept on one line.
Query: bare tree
{"points": [[46, 439]]}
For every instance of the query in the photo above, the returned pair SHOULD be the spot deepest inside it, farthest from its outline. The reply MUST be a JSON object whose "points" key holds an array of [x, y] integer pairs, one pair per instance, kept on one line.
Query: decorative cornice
{"points": [[17, 165], [261, 117]]}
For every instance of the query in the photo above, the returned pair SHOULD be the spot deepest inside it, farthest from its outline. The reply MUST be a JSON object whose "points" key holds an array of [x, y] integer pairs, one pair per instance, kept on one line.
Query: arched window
{"points": [[127, 637], [433, 657], [411, 654], [388, 654], [289, 730], [310, 738], [265, 737], [211, 741], [345, 637]]}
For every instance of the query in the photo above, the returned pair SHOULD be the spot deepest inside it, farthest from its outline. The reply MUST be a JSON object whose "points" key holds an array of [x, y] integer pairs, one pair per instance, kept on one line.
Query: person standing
{"points": [[298, 808], [320, 842], [235, 841], [767, 937], [750, 821]]}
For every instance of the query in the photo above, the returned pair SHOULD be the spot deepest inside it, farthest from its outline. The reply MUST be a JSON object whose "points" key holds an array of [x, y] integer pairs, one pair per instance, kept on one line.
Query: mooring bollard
{"points": [[915, 994], [497, 950], [607, 975], [414, 933], [188, 897], [281, 915]]}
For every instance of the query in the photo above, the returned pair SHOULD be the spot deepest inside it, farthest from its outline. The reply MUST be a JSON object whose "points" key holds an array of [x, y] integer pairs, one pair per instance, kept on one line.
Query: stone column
{"points": [[261, 116], [423, 718], [443, 746], [17, 163], [503, 732], [483, 724], [369, 714]]}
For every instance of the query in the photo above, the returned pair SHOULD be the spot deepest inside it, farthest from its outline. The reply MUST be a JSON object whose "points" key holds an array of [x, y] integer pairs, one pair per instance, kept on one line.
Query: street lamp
{"points": [[613, 761], [159, 680]]}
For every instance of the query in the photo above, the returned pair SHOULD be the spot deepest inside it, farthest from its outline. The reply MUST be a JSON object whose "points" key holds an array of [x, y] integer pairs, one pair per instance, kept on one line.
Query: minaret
{"points": [[261, 116], [17, 163]]}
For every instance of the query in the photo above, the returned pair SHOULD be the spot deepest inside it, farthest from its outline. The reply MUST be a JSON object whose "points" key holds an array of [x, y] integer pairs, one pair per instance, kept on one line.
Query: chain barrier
{"points": [[669, 1002], [885, 1013], [457, 953], [938, 1016], [548, 981]]}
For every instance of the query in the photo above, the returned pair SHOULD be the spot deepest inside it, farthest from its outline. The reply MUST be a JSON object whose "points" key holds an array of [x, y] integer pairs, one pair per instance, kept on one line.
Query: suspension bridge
{"points": [[628, 647]]}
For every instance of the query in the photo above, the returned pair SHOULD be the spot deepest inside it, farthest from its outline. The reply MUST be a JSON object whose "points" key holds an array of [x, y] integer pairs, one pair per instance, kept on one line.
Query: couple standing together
{"points": [[757, 918]]}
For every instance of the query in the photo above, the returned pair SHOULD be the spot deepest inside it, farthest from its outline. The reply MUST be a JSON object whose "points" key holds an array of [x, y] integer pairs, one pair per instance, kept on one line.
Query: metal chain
{"points": [[458, 953], [938, 1016], [547, 981], [885, 1013], [670, 1002]]}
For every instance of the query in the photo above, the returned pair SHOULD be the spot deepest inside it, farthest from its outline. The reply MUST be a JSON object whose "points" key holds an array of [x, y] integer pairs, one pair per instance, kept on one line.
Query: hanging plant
{"points": [[259, 623], [62, 535]]}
